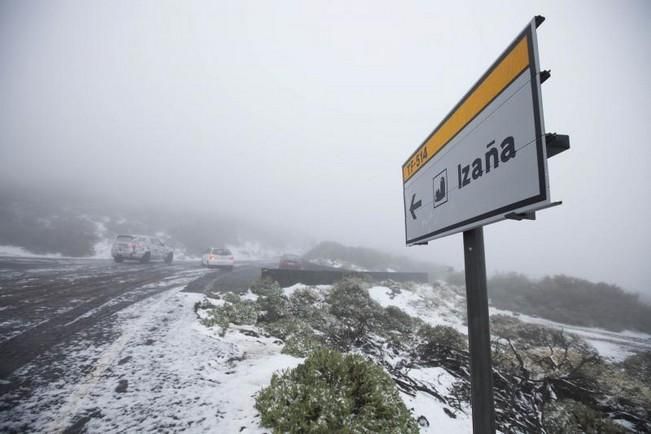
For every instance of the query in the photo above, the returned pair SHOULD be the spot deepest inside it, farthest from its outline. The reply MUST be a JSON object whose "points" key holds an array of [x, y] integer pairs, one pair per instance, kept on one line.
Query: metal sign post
{"points": [[485, 162], [481, 371]]}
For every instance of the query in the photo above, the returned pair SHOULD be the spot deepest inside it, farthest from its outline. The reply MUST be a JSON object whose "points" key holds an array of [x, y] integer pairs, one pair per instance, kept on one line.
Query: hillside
{"points": [[571, 300], [49, 222], [367, 259]]}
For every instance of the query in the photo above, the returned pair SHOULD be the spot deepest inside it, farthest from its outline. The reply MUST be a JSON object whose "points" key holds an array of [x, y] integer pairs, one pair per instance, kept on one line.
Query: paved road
{"points": [[49, 305]]}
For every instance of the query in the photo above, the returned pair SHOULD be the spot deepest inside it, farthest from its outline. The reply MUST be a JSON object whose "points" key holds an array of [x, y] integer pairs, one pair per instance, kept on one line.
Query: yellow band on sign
{"points": [[497, 80]]}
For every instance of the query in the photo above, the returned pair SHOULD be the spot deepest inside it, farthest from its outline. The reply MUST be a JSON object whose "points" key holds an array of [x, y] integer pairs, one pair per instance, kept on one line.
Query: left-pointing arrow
{"points": [[414, 206]]}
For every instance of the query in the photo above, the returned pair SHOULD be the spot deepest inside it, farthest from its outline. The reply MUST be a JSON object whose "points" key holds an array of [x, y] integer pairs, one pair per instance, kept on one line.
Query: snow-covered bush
{"points": [[304, 303], [282, 328], [395, 319], [302, 345], [331, 392], [231, 297], [540, 351], [271, 302], [638, 366], [439, 342], [265, 287], [240, 313], [357, 314], [569, 416]]}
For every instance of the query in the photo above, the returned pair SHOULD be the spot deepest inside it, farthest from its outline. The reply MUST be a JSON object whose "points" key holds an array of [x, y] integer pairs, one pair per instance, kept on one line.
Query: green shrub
{"points": [[282, 328], [231, 297], [271, 302], [304, 303], [266, 287], [331, 392], [299, 337], [398, 320], [240, 313], [302, 344], [272, 307], [356, 312], [440, 342]]}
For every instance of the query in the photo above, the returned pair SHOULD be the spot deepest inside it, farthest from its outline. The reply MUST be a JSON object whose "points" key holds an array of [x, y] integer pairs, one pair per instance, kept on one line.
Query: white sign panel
{"points": [[487, 158]]}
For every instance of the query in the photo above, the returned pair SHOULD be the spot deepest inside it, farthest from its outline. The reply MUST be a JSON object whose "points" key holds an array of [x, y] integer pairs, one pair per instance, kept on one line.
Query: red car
{"points": [[291, 262]]}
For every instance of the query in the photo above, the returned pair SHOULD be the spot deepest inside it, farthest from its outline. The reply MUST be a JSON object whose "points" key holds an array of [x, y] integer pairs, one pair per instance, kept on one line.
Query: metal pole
{"points": [[481, 374]]}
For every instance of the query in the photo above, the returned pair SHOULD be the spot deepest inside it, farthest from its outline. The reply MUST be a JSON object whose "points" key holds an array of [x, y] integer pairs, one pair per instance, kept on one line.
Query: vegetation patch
{"points": [[542, 376], [638, 366], [241, 313], [357, 314], [231, 297], [569, 416], [572, 301], [440, 342], [331, 392], [302, 345]]}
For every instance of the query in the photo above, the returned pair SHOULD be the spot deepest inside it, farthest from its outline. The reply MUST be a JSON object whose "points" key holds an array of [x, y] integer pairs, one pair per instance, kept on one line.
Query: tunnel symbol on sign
{"points": [[440, 187]]}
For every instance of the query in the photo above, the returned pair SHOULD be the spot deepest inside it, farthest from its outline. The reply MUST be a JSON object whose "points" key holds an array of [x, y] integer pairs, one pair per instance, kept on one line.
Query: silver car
{"points": [[142, 248], [219, 258]]}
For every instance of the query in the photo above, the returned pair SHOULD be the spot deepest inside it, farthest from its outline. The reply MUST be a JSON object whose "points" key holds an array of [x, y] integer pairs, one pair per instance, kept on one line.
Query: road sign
{"points": [[487, 158]]}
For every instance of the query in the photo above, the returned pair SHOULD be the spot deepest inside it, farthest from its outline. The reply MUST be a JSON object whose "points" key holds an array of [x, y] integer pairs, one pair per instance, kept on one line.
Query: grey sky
{"points": [[303, 113]]}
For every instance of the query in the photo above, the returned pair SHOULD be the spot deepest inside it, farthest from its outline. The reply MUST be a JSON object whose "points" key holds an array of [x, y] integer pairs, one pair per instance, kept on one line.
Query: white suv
{"points": [[142, 248]]}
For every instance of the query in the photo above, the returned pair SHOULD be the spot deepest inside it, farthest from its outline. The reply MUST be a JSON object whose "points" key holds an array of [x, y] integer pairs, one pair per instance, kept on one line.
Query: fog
{"points": [[300, 115]]}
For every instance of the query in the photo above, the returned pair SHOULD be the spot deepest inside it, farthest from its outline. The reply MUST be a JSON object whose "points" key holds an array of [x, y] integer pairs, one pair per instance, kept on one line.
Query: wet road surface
{"points": [[48, 306]]}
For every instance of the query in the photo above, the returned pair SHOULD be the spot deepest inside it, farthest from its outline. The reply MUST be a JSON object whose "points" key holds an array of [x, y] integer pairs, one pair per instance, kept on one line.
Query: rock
{"points": [[122, 386], [422, 421]]}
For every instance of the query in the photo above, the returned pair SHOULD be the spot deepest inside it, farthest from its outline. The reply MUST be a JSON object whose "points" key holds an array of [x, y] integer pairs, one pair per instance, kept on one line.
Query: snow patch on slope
{"points": [[436, 305], [24, 253], [426, 405]]}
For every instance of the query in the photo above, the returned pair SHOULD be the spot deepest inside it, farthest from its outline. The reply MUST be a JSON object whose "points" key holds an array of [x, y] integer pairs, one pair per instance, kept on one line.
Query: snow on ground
{"points": [[424, 404], [438, 305], [22, 252], [290, 290], [165, 372], [441, 305]]}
